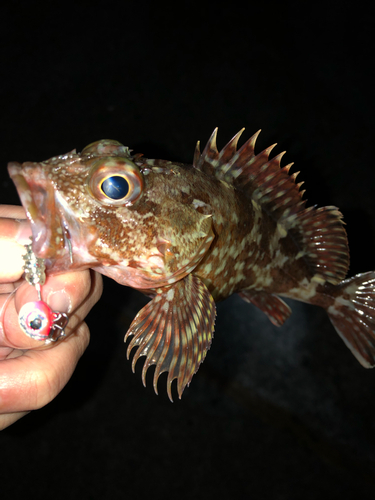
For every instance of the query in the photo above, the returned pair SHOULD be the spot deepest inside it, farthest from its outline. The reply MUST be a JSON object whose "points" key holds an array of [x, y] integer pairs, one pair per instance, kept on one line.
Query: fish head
{"points": [[125, 216]]}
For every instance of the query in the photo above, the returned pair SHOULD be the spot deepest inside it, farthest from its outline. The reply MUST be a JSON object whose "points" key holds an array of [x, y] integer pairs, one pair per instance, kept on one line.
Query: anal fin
{"points": [[270, 304], [174, 331]]}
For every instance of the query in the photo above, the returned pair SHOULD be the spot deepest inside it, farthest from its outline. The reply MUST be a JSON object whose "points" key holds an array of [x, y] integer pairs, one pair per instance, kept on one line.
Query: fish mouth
{"points": [[37, 195]]}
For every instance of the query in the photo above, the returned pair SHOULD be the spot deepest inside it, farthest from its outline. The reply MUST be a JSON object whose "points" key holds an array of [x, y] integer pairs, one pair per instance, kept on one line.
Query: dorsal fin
{"points": [[261, 178], [271, 187], [207, 161], [213, 162]]}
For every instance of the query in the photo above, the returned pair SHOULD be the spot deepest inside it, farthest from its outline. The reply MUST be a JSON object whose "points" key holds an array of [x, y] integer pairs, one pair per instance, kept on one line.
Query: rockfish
{"points": [[190, 235]]}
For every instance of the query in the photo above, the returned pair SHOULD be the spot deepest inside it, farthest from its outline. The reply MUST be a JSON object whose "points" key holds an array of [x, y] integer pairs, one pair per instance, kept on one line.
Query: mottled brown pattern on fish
{"points": [[187, 235]]}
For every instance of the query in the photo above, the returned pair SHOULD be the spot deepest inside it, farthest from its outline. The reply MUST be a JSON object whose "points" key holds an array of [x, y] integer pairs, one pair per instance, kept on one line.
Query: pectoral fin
{"points": [[174, 331]]}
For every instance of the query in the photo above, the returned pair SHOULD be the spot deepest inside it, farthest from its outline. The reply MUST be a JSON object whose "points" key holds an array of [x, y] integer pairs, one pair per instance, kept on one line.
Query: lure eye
{"points": [[36, 319], [115, 187], [115, 181]]}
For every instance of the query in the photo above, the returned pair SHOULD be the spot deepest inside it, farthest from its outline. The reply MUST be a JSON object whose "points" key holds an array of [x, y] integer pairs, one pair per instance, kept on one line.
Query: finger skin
{"points": [[33, 378], [13, 236], [12, 211], [9, 418], [31, 381], [62, 293]]}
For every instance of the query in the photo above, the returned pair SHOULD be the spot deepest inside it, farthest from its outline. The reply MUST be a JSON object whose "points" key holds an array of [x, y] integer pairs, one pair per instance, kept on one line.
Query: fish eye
{"points": [[115, 181], [115, 187]]}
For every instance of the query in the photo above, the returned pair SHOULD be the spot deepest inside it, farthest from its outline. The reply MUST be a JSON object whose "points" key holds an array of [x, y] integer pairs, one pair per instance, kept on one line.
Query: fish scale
{"points": [[190, 235]]}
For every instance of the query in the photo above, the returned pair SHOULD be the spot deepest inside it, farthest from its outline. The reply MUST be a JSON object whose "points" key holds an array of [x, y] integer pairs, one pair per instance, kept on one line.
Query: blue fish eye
{"points": [[115, 187]]}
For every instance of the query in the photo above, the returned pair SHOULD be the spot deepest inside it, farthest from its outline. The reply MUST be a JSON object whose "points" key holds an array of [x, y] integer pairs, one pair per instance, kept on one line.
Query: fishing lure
{"points": [[36, 318]]}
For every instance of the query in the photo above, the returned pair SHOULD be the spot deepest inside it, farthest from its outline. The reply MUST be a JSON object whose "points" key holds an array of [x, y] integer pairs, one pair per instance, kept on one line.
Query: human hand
{"points": [[31, 373]]}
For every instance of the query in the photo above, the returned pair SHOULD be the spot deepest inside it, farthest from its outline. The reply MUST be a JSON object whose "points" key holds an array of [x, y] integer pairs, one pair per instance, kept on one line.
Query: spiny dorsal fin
{"points": [[271, 187], [206, 162], [213, 162], [262, 179]]}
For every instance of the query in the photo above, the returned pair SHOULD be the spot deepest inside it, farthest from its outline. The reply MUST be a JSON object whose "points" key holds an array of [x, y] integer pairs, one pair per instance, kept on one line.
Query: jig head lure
{"points": [[36, 318]]}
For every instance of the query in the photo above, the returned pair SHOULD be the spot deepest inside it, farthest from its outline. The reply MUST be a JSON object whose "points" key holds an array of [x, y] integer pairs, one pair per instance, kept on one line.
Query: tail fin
{"points": [[353, 316]]}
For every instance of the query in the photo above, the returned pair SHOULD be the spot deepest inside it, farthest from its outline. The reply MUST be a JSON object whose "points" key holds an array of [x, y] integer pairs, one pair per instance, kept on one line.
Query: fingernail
{"points": [[24, 232], [59, 301]]}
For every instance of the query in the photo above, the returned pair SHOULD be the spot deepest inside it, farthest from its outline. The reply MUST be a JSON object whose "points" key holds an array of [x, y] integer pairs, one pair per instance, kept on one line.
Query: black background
{"points": [[272, 413]]}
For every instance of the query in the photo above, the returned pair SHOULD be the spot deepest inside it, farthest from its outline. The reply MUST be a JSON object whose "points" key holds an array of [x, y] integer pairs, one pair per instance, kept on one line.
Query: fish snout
{"points": [[37, 197]]}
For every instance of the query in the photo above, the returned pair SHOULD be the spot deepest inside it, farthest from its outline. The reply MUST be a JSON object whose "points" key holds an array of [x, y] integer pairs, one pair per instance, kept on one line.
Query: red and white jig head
{"points": [[36, 318]]}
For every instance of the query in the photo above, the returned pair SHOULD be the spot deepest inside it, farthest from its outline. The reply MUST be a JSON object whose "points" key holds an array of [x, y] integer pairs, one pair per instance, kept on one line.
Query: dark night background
{"points": [[272, 413]]}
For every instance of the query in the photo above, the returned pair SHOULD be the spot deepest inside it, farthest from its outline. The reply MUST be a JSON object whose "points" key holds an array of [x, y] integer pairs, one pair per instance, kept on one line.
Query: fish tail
{"points": [[353, 315]]}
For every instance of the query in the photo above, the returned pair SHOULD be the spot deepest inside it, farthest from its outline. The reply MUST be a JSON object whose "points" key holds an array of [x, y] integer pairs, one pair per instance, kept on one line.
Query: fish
{"points": [[188, 236]]}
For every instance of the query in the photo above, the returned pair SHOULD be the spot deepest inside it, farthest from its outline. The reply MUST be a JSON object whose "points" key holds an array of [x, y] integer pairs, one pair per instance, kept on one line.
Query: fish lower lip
{"points": [[38, 201], [23, 189]]}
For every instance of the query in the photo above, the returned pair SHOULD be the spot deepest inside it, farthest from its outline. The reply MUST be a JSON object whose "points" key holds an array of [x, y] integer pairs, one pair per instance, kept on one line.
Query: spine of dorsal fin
{"points": [[273, 188], [218, 163]]}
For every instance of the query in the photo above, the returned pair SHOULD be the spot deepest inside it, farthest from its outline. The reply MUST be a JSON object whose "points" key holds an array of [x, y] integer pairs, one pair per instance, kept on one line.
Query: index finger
{"points": [[14, 235], [12, 211]]}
